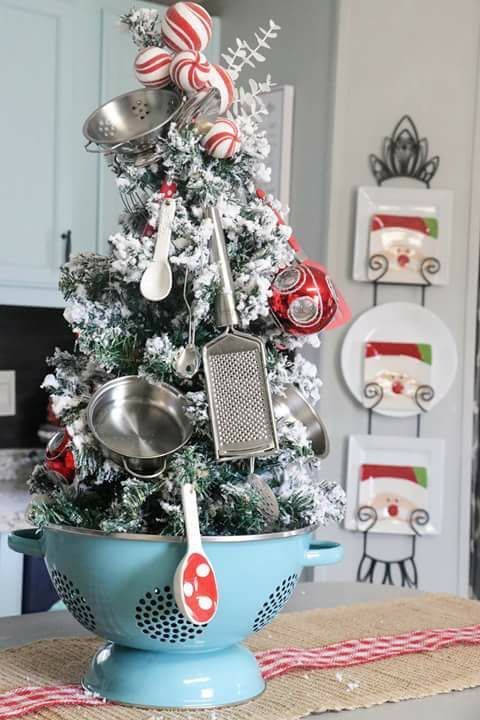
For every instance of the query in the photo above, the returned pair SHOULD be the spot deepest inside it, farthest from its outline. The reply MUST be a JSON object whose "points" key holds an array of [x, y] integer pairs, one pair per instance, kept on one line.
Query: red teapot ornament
{"points": [[303, 298]]}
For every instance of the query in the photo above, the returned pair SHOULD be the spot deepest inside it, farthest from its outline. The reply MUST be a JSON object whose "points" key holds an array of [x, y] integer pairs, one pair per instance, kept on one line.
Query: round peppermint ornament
{"points": [[186, 26], [303, 299], [221, 80], [152, 67], [190, 71], [222, 141]]}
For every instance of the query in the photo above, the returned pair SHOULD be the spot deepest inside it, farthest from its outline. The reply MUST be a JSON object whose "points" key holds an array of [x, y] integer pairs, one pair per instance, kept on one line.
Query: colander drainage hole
{"points": [[74, 600], [276, 600], [158, 617]]}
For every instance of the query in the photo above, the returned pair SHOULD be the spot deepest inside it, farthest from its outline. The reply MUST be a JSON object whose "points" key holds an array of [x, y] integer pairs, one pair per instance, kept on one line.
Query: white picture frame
{"points": [[416, 202], [427, 453], [278, 125]]}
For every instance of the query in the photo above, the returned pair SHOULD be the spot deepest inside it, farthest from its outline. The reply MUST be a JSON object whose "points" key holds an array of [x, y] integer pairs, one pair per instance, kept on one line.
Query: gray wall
{"points": [[303, 55], [419, 58]]}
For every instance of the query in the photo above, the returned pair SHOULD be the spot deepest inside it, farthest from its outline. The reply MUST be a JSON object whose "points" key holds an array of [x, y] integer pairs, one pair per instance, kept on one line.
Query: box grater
{"points": [[240, 405]]}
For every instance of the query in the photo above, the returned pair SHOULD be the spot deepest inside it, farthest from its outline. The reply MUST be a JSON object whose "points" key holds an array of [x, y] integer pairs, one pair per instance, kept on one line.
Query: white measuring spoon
{"points": [[194, 584], [156, 282]]}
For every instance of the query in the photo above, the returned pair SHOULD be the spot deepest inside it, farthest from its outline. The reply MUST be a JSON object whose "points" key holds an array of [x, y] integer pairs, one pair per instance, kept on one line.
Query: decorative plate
{"points": [[399, 359], [395, 477], [403, 235]]}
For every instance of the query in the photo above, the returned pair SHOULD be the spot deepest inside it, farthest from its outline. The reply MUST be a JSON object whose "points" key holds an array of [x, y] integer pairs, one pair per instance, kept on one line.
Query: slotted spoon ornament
{"points": [[195, 585], [268, 503]]}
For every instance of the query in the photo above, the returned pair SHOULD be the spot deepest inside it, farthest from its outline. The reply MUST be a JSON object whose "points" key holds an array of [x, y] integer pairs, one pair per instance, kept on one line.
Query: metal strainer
{"points": [[131, 123]]}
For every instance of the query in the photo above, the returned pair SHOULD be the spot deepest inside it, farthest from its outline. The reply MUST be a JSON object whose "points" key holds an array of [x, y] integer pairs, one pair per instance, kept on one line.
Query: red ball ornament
{"points": [[59, 458], [186, 26], [303, 299]]}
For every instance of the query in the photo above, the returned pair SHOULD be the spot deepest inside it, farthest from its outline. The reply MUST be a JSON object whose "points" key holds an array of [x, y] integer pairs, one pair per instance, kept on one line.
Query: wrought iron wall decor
{"points": [[374, 392], [404, 155], [371, 567]]}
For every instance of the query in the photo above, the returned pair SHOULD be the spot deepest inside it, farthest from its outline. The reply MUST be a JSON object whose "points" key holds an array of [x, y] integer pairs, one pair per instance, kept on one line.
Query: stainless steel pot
{"points": [[137, 424], [131, 123], [301, 410]]}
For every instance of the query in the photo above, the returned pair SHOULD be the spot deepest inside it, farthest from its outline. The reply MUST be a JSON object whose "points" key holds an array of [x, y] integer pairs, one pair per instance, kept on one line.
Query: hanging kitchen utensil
{"points": [[308, 276], [194, 585], [188, 358], [131, 124], [201, 108], [156, 281], [137, 424], [301, 410], [240, 405], [268, 505]]}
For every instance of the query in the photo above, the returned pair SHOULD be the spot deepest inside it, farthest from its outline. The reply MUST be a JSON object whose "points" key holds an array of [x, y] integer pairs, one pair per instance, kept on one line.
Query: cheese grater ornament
{"points": [[240, 405]]}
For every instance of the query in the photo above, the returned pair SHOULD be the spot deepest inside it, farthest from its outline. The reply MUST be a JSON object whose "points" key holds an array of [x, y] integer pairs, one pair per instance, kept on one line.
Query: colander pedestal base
{"points": [[174, 679]]}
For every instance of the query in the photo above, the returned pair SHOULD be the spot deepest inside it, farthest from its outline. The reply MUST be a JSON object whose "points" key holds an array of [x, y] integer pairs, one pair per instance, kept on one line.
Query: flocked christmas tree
{"points": [[200, 163]]}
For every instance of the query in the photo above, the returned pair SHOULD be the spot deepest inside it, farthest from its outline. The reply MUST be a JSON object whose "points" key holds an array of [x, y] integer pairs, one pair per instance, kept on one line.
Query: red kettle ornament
{"points": [[304, 299]]}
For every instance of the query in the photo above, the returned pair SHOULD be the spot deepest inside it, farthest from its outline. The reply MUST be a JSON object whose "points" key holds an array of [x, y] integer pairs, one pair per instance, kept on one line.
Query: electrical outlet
{"points": [[7, 392]]}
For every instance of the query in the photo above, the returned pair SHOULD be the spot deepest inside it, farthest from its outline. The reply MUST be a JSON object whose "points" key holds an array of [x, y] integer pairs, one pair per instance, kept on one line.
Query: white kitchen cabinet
{"points": [[60, 59], [48, 79]]}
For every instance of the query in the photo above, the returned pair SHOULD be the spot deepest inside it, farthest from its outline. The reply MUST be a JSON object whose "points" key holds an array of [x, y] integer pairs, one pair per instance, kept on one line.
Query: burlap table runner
{"points": [[299, 693]]}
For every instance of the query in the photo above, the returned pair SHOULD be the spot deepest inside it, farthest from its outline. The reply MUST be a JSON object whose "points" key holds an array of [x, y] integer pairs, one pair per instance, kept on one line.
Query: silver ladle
{"points": [[188, 359]]}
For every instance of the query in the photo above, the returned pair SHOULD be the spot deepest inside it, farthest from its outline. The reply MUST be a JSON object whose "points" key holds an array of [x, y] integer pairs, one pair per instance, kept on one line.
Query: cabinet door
{"points": [[42, 190], [118, 55]]}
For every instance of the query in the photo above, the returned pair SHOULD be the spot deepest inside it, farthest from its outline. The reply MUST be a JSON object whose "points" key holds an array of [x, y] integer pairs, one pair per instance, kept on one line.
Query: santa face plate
{"points": [[395, 476], [394, 492], [404, 242], [398, 370], [303, 299]]}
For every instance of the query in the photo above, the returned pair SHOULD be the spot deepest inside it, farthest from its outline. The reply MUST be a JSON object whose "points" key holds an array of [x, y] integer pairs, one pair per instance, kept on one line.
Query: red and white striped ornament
{"points": [[190, 71], [186, 26], [221, 79], [152, 67], [222, 141]]}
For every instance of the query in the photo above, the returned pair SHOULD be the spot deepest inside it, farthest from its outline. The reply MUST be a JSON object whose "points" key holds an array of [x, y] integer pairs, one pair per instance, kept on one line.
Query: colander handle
{"points": [[139, 475], [99, 150], [27, 542], [322, 552]]}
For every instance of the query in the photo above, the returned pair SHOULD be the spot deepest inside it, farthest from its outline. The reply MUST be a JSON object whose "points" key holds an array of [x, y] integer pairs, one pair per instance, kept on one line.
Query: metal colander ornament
{"points": [[131, 124]]}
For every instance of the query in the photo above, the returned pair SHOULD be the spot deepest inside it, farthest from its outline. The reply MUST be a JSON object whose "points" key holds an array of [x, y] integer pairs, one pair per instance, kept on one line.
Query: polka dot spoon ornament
{"points": [[194, 585]]}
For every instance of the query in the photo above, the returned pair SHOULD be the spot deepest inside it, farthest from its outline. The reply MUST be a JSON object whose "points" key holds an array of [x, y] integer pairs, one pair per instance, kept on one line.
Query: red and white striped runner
{"points": [[21, 701], [273, 663], [357, 652]]}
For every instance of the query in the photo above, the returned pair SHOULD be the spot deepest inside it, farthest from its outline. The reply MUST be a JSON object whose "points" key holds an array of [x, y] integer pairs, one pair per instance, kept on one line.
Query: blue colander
{"points": [[120, 587]]}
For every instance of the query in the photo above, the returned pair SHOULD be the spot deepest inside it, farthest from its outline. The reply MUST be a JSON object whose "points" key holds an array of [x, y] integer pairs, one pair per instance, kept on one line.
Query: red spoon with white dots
{"points": [[195, 585]]}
